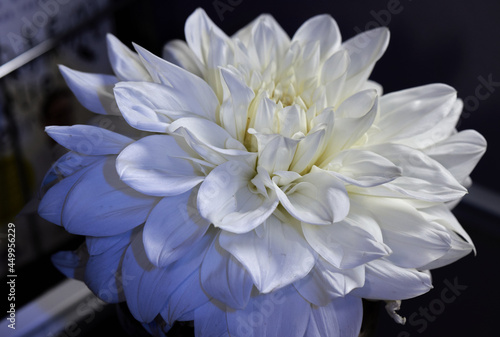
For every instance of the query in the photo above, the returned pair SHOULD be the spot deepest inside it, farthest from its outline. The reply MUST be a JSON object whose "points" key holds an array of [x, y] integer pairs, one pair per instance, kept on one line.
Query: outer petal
{"points": [[179, 53], [364, 50], [226, 200], [195, 92], [320, 29], [343, 245], [224, 278], [422, 177], [326, 283], [281, 313], [125, 62], [317, 198], [460, 153], [157, 165], [88, 139], [276, 258], [340, 318], [407, 113], [172, 228], [385, 281], [100, 204], [93, 91]]}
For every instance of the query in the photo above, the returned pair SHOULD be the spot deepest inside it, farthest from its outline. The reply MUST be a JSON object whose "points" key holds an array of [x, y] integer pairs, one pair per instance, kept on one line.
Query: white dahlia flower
{"points": [[263, 186]]}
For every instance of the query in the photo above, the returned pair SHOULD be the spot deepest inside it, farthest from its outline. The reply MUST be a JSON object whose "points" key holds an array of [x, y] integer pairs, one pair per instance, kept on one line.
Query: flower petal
{"points": [[362, 168], [210, 320], [179, 53], [320, 29], [340, 318], [100, 204], [88, 139], [275, 151], [125, 62], [159, 166], [412, 112], [224, 278], [317, 198], [364, 50], [460, 153], [281, 313], [326, 283], [386, 281], [280, 256], [93, 91], [172, 227], [343, 245], [422, 177], [226, 200]]}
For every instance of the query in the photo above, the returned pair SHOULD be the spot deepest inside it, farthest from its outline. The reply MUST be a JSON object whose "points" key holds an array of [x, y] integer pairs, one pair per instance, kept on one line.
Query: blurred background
{"points": [[450, 41]]}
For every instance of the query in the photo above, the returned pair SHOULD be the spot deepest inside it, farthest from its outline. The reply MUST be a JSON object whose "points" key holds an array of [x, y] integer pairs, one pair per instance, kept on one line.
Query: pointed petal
{"points": [[326, 283], [125, 62], [275, 151], [340, 318], [100, 204], [191, 89], [460, 153], [280, 313], [158, 166], [317, 198], [226, 200], [412, 112], [362, 168], [71, 264], [277, 258], [179, 53], [172, 228], [224, 278], [422, 177], [364, 50], [385, 281], [322, 29], [88, 139], [93, 91], [343, 245]]}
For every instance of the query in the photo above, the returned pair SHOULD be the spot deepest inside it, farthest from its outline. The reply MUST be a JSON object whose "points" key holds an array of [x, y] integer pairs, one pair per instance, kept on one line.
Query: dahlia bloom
{"points": [[262, 185]]}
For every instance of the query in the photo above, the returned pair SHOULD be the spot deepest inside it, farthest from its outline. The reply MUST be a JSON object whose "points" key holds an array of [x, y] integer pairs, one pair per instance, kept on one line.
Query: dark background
{"points": [[453, 42]]}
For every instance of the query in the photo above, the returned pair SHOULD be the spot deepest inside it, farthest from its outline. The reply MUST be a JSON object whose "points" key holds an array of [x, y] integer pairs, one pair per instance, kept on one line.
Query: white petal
{"points": [[276, 152], [236, 100], [172, 228], [88, 139], [343, 245], [385, 281], [422, 177], [157, 165], [281, 313], [411, 112], [333, 75], [322, 29], [414, 240], [226, 200], [125, 62], [178, 53], [309, 150], [460, 153], [317, 198], [340, 318], [93, 91], [292, 120], [194, 92], [362, 168], [224, 278], [352, 119], [326, 283], [364, 50], [149, 288], [279, 257], [210, 141], [100, 204]]}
